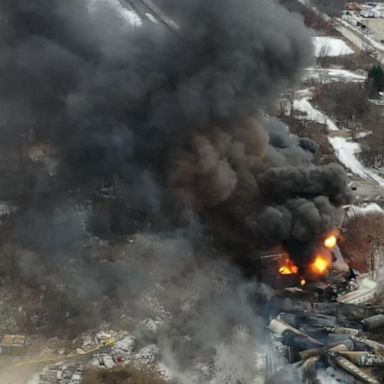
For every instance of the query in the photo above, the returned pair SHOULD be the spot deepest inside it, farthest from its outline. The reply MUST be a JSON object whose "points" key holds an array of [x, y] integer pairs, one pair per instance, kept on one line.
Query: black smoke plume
{"points": [[158, 114], [158, 134]]}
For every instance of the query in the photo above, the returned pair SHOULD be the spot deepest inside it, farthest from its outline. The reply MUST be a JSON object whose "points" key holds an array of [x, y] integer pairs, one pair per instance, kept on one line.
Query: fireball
{"points": [[289, 267], [330, 241], [320, 265]]}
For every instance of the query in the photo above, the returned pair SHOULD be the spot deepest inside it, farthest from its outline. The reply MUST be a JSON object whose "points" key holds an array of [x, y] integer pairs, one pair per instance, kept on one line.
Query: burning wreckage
{"points": [[325, 328], [322, 326], [329, 342], [113, 105]]}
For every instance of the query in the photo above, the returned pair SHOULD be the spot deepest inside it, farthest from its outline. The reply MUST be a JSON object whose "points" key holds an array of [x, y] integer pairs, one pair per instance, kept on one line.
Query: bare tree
{"points": [[323, 55]]}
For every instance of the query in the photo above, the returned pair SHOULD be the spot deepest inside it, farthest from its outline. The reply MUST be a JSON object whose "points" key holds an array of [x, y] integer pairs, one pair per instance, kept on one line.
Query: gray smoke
{"points": [[286, 375], [162, 135], [157, 113]]}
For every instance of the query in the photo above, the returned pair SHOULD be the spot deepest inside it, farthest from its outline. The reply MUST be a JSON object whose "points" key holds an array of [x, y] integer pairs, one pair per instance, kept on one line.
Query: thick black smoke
{"points": [[155, 114], [158, 133]]}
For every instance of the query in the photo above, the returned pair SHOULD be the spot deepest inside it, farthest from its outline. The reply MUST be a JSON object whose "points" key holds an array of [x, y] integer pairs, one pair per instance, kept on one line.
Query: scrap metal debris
{"points": [[337, 337]]}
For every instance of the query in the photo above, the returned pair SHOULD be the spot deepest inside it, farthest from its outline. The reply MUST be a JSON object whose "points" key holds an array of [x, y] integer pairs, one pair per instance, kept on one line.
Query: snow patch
{"points": [[128, 15], [365, 209], [330, 46], [329, 75], [34, 380], [303, 105], [131, 17], [362, 135], [347, 152]]}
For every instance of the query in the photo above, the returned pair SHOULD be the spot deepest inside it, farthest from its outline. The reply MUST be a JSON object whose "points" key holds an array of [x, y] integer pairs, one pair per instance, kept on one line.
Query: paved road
{"points": [[149, 11], [360, 40], [357, 38]]}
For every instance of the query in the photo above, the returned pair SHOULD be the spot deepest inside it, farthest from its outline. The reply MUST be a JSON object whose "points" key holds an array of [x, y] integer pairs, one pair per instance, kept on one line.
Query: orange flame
{"points": [[320, 265], [289, 267], [302, 282], [330, 242]]}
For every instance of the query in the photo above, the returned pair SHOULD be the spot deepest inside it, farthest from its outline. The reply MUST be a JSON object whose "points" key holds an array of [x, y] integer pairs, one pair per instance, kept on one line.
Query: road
{"points": [[149, 11], [360, 40], [353, 35]]}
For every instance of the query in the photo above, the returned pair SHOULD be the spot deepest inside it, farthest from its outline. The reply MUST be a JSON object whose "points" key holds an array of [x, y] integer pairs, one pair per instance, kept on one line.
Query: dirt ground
{"points": [[126, 375], [376, 26], [365, 191], [11, 374], [362, 236]]}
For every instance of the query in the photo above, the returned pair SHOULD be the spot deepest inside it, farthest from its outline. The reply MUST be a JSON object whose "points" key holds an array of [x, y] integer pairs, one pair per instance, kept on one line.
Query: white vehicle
{"points": [[371, 12], [367, 12], [352, 18], [346, 16]]}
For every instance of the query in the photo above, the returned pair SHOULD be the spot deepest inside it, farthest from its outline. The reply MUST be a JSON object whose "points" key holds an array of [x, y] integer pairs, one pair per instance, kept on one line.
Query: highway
{"points": [[350, 33], [360, 40]]}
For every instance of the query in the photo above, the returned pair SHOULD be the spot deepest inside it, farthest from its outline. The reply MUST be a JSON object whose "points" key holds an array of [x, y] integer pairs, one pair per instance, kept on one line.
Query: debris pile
{"points": [[340, 340], [61, 374], [130, 349], [105, 353], [94, 341]]}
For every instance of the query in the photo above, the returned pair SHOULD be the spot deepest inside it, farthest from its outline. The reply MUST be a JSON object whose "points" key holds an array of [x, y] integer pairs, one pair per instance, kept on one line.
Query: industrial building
{"points": [[13, 345]]}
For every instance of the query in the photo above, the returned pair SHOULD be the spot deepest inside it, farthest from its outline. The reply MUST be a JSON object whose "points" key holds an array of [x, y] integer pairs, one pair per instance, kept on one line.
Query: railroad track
{"points": [[147, 10]]}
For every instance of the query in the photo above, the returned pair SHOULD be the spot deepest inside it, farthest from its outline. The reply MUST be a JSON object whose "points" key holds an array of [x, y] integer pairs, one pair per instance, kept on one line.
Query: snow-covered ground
{"points": [[361, 135], [346, 150], [365, 209], [303, 105], [330, 46], [34, 380], [329, 75], [128, 15]]}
